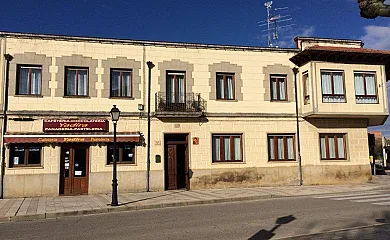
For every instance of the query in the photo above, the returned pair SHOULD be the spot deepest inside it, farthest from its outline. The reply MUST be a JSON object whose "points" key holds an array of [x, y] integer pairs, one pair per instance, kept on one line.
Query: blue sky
{"points": [[203, 21]]}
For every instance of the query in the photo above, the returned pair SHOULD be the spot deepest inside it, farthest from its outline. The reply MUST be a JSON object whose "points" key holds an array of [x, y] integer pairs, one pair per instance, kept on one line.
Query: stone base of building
{"points": [[280, 176]]}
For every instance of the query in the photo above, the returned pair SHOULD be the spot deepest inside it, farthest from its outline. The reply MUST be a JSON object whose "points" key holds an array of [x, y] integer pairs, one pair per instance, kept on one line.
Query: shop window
{"points": [[332, 146], [227, 148], [25, 155], [76, 82], [126, 153], [121, 82], [281, 147], [29, 79], [278, 87], [225, 86]]}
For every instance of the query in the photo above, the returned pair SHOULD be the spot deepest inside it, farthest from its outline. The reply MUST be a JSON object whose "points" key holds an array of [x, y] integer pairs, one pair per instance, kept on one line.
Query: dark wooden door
{"points": [[74, 169], [172, 170]]}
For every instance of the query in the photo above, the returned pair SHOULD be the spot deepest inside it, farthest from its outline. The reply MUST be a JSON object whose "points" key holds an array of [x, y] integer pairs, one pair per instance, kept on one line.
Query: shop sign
{"points": [[86, 139], [75, 125]]}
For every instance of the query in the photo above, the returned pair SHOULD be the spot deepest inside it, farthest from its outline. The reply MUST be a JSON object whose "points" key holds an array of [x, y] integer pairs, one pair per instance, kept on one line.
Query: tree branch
{"points": [[373, 8]]}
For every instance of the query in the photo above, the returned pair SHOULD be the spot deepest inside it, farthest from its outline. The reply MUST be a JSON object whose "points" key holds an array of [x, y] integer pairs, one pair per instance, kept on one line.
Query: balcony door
{"points": [[176, 91]]}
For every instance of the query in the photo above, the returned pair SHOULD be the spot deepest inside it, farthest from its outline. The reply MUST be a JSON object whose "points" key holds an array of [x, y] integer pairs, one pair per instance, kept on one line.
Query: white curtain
{"points": [[36, 81], [274, 90], [323, 148], [171, 88], [332, 149], [369, 84], [115, 83], [216, 152], [290, 147], [23, 80], [271, 147], [280, 148], [237, 148], [71, 83], [359, 84], [282, 89], [82, 83], [307, 83], [340, 147], [126, 84], [180, 95], [226, 148], [338, 86], [220, 88], [229, 83]]}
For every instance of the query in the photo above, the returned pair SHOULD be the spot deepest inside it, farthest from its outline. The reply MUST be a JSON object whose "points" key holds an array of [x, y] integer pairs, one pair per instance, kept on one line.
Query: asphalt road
{"points": [[263, 219]]}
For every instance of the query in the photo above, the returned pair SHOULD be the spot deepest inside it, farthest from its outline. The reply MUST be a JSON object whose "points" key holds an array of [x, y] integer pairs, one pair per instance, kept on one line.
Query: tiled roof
{"points": [[347, 49]]}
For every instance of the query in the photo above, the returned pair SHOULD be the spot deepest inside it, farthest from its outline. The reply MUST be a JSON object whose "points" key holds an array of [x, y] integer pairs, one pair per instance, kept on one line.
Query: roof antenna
{"points": [[273, 18]]}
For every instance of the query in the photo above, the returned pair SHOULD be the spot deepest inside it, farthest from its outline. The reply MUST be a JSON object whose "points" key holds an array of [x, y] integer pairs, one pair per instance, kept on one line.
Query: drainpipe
{"points": [[296, 70], [8, 58], [150, 66]]}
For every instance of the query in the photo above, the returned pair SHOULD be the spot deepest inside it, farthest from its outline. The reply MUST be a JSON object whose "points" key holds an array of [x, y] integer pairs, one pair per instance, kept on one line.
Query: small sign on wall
{"points": [[195, 141]]}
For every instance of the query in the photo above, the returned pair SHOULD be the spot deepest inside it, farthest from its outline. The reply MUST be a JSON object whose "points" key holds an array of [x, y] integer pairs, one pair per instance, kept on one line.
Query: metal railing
{"points": [[179, 102]]}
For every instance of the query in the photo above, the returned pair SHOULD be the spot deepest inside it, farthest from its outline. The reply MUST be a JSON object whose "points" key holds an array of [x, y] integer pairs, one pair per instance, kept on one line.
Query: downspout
{"points": [[296, 70], [150, 66], [8, 58]]}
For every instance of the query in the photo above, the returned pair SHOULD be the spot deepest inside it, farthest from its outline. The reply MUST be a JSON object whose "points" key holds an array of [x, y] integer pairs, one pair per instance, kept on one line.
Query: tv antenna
{"points": [[272, 23]]}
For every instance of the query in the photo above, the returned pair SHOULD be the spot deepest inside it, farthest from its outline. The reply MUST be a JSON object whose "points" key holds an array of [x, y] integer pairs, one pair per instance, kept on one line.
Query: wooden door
{"points": [[74, 169], [172, 170]]}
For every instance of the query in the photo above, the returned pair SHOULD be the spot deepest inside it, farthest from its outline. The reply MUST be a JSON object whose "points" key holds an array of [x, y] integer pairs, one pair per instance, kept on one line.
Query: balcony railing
{"points": [[180, 103]]}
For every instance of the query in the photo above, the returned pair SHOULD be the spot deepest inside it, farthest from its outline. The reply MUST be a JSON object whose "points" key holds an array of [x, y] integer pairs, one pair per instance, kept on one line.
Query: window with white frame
{"points": [[332, 83], [365, 87]]}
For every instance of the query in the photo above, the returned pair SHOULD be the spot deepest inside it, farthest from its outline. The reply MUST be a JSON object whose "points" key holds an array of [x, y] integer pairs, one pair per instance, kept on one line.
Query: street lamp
{"points": [[115, 113]]}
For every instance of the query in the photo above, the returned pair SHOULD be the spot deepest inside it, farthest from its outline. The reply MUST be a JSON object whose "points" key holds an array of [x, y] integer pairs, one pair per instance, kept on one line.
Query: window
{"points": [[25, 155], [121, 82], [278, 88], [281, 147], [306, 88], [29, 80], [225, 86], [76, 82], [332, 146], [332, 86], [176, 87], [126, 153], [365, 88], [227, 148]]}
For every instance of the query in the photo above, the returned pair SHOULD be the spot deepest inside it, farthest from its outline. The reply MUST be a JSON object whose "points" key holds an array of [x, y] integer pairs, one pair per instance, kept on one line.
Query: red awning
{"points": [[80, 138]]}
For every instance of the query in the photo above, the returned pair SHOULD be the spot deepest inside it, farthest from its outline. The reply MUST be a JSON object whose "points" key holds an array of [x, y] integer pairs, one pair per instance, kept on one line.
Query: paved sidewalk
{"points": [[20, 209]]}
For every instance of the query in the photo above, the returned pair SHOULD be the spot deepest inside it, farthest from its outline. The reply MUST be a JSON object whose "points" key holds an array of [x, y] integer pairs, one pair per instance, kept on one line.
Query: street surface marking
{"points": [[360, 197], [348, 195]]}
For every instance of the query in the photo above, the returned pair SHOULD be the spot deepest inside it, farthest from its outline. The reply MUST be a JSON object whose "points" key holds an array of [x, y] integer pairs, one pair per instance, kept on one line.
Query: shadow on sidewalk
{"points": [[148, 198]]}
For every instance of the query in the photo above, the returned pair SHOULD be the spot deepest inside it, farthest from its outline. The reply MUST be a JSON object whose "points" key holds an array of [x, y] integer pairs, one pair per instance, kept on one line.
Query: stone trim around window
{"points": [[226, 67], [30, 58], [122, 63], [76, 61], [277, 69], [175, 65]]}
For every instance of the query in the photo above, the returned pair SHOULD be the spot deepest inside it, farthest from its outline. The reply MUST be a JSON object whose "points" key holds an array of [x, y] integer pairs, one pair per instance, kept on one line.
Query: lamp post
{"points": [[115, 113], [295, 71], [150, 66]]}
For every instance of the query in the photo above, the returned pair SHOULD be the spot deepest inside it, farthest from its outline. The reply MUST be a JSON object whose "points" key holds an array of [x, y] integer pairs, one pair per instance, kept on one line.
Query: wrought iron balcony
{"points": [[179, 104]]}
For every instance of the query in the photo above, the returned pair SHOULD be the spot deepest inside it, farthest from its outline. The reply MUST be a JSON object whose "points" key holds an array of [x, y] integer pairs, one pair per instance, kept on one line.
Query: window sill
{"points": [[282, 161], [76, 97], [228, 162], [124, 98], [280, 101], [122, 164], [368, 103], [29, 95], [335, 160], [26, 167], [227, 100]]}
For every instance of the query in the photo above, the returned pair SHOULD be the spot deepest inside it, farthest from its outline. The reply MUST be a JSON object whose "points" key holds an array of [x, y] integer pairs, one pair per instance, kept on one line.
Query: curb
{"points": [[128, 208]]}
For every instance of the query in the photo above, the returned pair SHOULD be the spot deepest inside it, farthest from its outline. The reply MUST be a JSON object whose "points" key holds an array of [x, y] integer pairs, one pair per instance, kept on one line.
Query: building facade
{"points": [[221, 116]]}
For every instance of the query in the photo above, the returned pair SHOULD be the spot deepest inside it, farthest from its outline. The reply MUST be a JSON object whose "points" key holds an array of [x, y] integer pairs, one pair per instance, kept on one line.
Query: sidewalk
{"points": [[21, 209]]}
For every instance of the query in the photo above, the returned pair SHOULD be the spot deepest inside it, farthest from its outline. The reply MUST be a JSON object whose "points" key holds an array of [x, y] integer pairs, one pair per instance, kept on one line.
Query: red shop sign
{"points": [[75, 125]]}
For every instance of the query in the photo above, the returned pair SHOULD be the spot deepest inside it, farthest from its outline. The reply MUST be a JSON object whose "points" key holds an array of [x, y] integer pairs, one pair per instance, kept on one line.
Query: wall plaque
{"points": [[75, 125]]}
